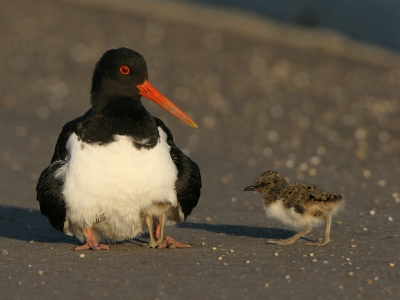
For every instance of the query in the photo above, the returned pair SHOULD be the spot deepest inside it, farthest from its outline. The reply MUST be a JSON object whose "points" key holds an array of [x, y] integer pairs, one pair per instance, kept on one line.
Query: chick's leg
{"points": [[152, 231], [327, 233], [169, 242], [292, 239]]}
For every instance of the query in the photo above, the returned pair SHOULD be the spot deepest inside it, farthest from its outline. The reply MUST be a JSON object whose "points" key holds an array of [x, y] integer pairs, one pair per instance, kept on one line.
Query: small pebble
{"points": [[225, 264], [208, 219], [311, 254], [367, 173], [82, 255], [247, 261], [351, 273], [40, 273], [341, 287], [372, 212], [266, 285], [31, 242], [231, 250], [365, 229], [287, 277], [325, 261], [391, 265], [382, 182], [276, 254], [214, 248], [339, 222], [353, 246], [390, 219], [220, 258], [369, 281], [314, 260]]}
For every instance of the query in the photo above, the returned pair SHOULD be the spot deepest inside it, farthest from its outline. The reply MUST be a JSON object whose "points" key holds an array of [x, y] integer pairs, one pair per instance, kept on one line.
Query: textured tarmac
{"points": [[314, 106]]}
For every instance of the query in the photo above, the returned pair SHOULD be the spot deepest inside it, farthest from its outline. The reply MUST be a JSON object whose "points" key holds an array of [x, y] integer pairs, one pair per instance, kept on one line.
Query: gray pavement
{"points": [[267, 97]]}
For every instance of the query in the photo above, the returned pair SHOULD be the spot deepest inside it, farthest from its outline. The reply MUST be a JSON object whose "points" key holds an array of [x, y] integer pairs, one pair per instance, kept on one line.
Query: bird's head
{"points": [[122, 73], [267, 182]]}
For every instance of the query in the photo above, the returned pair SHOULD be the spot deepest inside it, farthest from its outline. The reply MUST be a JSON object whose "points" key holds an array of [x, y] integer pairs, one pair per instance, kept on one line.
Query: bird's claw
{"points": [[89, 246], [170, 243]]}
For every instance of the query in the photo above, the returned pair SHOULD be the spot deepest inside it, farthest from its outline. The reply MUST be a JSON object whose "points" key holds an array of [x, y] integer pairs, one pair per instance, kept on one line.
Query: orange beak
{"points": [[150, 92]]}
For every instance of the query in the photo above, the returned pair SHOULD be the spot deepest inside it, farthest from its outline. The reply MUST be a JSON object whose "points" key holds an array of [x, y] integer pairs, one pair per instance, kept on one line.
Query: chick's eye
{"points": [[124, 70]]}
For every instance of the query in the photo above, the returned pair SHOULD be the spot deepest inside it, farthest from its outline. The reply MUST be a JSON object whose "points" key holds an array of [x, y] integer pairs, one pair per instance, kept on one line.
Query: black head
{"points": [[117, 73], [266, 182], [120, 78]]}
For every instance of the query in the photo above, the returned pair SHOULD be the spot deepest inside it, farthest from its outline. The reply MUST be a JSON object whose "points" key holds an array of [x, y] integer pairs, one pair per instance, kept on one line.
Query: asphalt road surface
{"points": [[311, 105]]}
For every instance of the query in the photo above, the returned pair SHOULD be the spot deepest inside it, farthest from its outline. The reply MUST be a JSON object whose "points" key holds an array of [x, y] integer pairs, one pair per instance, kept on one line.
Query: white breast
{"points": [[113, 183], [289, 216]]}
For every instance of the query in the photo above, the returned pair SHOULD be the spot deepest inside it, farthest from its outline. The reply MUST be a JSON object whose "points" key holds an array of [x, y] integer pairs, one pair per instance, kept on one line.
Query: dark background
{"points": [[372, 21]]}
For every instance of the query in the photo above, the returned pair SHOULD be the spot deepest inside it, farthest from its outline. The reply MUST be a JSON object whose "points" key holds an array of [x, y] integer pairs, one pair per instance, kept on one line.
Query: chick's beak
{"points": [[249, 188]]}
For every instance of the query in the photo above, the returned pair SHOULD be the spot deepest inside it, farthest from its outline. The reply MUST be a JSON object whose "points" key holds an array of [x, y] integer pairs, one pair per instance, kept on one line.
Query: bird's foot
{"points": [[92, 246], [153, 244], [92, 242], [281, 242], [319, 243], [170, 243]]}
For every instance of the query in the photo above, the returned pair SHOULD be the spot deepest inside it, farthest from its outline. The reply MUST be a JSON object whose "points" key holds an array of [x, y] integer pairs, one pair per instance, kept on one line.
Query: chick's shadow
{"points": [[240, 230]]}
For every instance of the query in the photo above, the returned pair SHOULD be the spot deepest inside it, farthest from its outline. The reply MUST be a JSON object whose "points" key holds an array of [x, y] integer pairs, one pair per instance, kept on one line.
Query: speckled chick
{"points": [[296, 204]]}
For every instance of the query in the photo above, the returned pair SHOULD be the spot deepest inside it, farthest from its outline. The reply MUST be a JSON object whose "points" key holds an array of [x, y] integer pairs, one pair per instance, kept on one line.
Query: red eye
{"points": [[124, 70]]}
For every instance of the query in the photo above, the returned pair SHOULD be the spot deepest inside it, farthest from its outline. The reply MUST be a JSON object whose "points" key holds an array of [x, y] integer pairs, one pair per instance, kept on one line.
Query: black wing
{"points": [[60, 151], [50, 198], [188, 184], [49, 189]]}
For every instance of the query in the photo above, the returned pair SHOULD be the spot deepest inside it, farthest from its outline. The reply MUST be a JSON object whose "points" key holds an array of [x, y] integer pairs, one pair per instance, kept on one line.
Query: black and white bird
{"points": [[296, 204], [116, 171]]}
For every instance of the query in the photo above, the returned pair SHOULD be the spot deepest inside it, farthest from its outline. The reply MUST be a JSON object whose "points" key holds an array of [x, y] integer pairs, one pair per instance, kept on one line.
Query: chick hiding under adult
{"points": [[297, 204]]}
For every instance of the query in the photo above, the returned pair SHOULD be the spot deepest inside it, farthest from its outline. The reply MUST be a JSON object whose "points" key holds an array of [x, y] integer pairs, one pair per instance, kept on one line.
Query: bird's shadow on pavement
{"points": [[240, 230], [27, 225]]}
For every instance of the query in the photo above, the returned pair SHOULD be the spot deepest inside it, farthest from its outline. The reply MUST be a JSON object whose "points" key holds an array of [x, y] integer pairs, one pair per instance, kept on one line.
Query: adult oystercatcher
{"points": [[116, 171], [297, 204]]}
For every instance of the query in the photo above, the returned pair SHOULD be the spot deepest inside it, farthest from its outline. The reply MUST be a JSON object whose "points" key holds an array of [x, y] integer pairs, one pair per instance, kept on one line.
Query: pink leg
{"points": [[170, 243], [92, 243], [157, 231]]}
